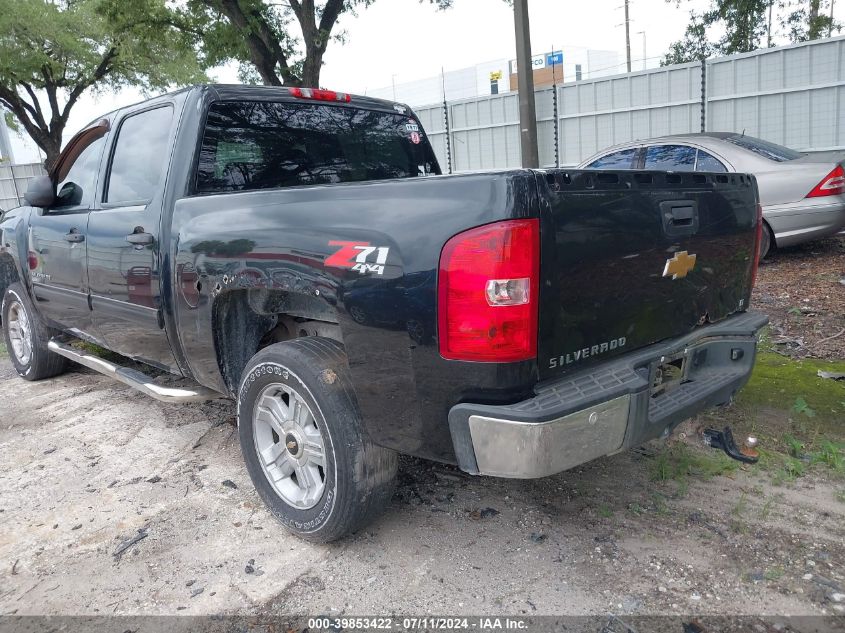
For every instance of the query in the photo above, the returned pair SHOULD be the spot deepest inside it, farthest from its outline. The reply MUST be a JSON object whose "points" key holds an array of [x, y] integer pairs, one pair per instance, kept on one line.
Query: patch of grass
{"points": [[3, 352], [793, 386], [680, 461], [766, 510], [840, 496], [773, 574], [605, 512]]}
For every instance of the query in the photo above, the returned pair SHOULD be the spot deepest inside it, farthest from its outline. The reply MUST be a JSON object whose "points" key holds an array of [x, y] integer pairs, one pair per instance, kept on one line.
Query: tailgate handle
{"points": [[680, 217]]}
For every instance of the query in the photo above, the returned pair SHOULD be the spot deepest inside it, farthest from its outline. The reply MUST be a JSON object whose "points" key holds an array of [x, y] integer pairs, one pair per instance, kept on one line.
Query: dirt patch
{"points": [[802, 289], [85, 464]]}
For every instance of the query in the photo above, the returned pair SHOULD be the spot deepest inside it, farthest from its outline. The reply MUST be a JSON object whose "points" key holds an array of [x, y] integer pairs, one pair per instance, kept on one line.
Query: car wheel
{"points": [[304, 444], [765, 241], [26, 337]]}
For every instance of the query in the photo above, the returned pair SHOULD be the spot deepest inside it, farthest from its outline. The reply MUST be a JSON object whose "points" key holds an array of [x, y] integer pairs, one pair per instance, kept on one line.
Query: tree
{"points": [[747, 26], [53, 51], [261, 35], [743, 22], [808, 20], [694, 46]]}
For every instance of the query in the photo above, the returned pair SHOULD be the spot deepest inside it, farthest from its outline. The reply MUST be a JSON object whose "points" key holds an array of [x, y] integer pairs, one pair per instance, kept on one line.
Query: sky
{"points": [[404, 40]]}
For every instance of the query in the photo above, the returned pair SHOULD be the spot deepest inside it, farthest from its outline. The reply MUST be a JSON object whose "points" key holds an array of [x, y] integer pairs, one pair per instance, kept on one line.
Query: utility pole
{"points": [[627, 36], [830, 25], [525, 85], [769, 26]]}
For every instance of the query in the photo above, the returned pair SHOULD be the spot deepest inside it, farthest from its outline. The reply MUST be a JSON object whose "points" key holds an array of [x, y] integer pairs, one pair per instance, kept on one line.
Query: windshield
{"points": [[772, 151], [259, 145]]}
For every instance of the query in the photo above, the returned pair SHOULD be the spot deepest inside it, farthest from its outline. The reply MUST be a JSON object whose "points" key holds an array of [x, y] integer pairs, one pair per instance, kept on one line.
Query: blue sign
{"points": [[553, 59]]}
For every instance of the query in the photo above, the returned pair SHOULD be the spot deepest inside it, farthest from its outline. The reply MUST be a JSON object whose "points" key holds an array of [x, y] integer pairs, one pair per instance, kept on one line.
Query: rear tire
{"points": [[26, 337], [765, 241], [304, 444]]}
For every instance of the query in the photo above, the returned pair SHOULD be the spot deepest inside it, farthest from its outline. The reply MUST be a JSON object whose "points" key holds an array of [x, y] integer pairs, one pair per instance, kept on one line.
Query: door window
{"points": [[670, 157], [76, 190], [708, 162], [140, 157], [622, 159]]}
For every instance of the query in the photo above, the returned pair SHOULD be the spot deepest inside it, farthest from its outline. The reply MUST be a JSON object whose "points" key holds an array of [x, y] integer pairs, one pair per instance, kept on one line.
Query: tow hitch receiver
{"points": [[724, 440]]}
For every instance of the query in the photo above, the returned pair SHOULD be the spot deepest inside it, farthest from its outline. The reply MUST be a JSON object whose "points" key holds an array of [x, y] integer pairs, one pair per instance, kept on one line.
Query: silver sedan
{"points": [[803, 195]]}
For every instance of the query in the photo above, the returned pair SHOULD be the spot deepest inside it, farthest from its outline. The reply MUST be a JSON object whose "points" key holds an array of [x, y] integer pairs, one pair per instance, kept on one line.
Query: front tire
{"points": [[26, 337], [303, 441]]}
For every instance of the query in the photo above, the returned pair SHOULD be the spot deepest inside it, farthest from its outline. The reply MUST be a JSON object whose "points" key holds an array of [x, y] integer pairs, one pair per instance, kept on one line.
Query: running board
{"points": [[133, 377]]}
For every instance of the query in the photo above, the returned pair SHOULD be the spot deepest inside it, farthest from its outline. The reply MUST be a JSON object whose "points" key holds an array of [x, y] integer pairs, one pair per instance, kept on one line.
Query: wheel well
{"points": [[246, 321], [8, 273]]}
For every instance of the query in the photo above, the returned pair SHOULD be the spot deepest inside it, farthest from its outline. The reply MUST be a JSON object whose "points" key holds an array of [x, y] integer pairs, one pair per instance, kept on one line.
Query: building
{"points": [[571, 63]]}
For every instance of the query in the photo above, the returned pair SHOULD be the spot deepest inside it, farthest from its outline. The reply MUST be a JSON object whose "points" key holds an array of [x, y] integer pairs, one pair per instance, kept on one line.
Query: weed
{"points": [[801, 406], [605, 512], [766, 510], [795, 447], [774, 573], [831, 455], [636, 509], [741, 506], [840, 496], [3, 352]]}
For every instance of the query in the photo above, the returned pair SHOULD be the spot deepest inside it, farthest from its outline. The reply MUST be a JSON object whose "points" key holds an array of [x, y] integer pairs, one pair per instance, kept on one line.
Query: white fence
{"points": [[14, 180], [792, 95]]}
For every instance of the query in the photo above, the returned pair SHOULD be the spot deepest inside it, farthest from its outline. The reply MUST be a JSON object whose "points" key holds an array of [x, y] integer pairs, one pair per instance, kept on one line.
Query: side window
{"points": [[140, 157], [77, 187], [622, 159], [670, 157], [708, 162]]}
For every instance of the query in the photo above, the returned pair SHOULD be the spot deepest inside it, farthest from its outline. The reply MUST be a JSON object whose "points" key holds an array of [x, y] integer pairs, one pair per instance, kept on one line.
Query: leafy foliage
{"points": [[746, 25], [52, 51], [274, 43]]}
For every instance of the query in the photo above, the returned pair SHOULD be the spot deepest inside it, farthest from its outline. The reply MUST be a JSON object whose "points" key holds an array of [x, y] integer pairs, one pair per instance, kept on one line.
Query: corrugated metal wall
{"points": [[789, 95], [14, 180]]}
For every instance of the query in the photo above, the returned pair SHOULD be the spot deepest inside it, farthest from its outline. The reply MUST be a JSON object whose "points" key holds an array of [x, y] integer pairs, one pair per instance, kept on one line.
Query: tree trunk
{"points": [[312, 67]]}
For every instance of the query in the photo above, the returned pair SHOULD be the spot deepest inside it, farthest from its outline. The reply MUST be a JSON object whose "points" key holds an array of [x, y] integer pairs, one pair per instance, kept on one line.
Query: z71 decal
{"points": [[359, 256]]}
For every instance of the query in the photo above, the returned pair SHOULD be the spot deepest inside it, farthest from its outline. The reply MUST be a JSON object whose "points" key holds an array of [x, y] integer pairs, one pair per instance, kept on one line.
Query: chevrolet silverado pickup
{"points": [[298, 251]]}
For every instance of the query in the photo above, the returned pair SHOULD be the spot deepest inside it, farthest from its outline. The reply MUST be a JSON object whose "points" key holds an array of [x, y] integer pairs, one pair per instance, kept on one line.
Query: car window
{"points": [[670, 157], [708, 162], [140, 157], [77, 187], [260, 145], [772, 151], [623, 159]]}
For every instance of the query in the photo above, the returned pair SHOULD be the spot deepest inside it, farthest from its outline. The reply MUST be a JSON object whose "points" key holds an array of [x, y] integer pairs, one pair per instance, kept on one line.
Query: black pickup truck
{"points": [[298, 250]]}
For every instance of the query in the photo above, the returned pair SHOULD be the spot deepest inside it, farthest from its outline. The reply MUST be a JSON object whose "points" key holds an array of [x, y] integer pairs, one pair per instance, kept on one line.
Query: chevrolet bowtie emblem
{"points": [[291, 445], [679, 265]]}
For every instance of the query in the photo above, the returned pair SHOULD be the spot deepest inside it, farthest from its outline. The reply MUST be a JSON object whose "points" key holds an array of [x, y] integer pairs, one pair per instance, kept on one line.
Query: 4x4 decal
{"points": [[359, 256]]}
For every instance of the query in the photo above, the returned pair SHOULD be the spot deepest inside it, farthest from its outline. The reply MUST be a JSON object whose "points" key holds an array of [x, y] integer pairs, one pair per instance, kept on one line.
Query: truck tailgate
{"points": [[631, 258]]}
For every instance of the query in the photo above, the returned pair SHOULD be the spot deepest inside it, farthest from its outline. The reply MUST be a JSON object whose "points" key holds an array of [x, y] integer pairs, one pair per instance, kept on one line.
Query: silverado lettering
{"points": [[586, 352]]}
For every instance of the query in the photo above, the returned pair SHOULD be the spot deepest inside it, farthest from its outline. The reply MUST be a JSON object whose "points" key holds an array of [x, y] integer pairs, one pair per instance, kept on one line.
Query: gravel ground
{"points": [[88, 466]]}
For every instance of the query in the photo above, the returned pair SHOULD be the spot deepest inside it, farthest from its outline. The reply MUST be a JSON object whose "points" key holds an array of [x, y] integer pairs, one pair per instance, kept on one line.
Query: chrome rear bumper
{"points": [[606, 408]]}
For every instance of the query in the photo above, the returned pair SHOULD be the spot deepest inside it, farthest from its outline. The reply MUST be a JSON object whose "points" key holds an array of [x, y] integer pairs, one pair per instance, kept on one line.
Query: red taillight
{"points": [[320, 95], [32, 260], [831, 185], [488, 289], [757, 244]]}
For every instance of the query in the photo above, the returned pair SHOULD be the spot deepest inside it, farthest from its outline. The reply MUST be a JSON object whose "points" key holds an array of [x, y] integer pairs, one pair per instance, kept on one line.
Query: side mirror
{"points": [[40, 192]]}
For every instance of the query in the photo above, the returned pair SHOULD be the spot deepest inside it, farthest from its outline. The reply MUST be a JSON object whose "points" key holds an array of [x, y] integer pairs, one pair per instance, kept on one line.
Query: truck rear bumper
{"points": [[608, 407]]}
